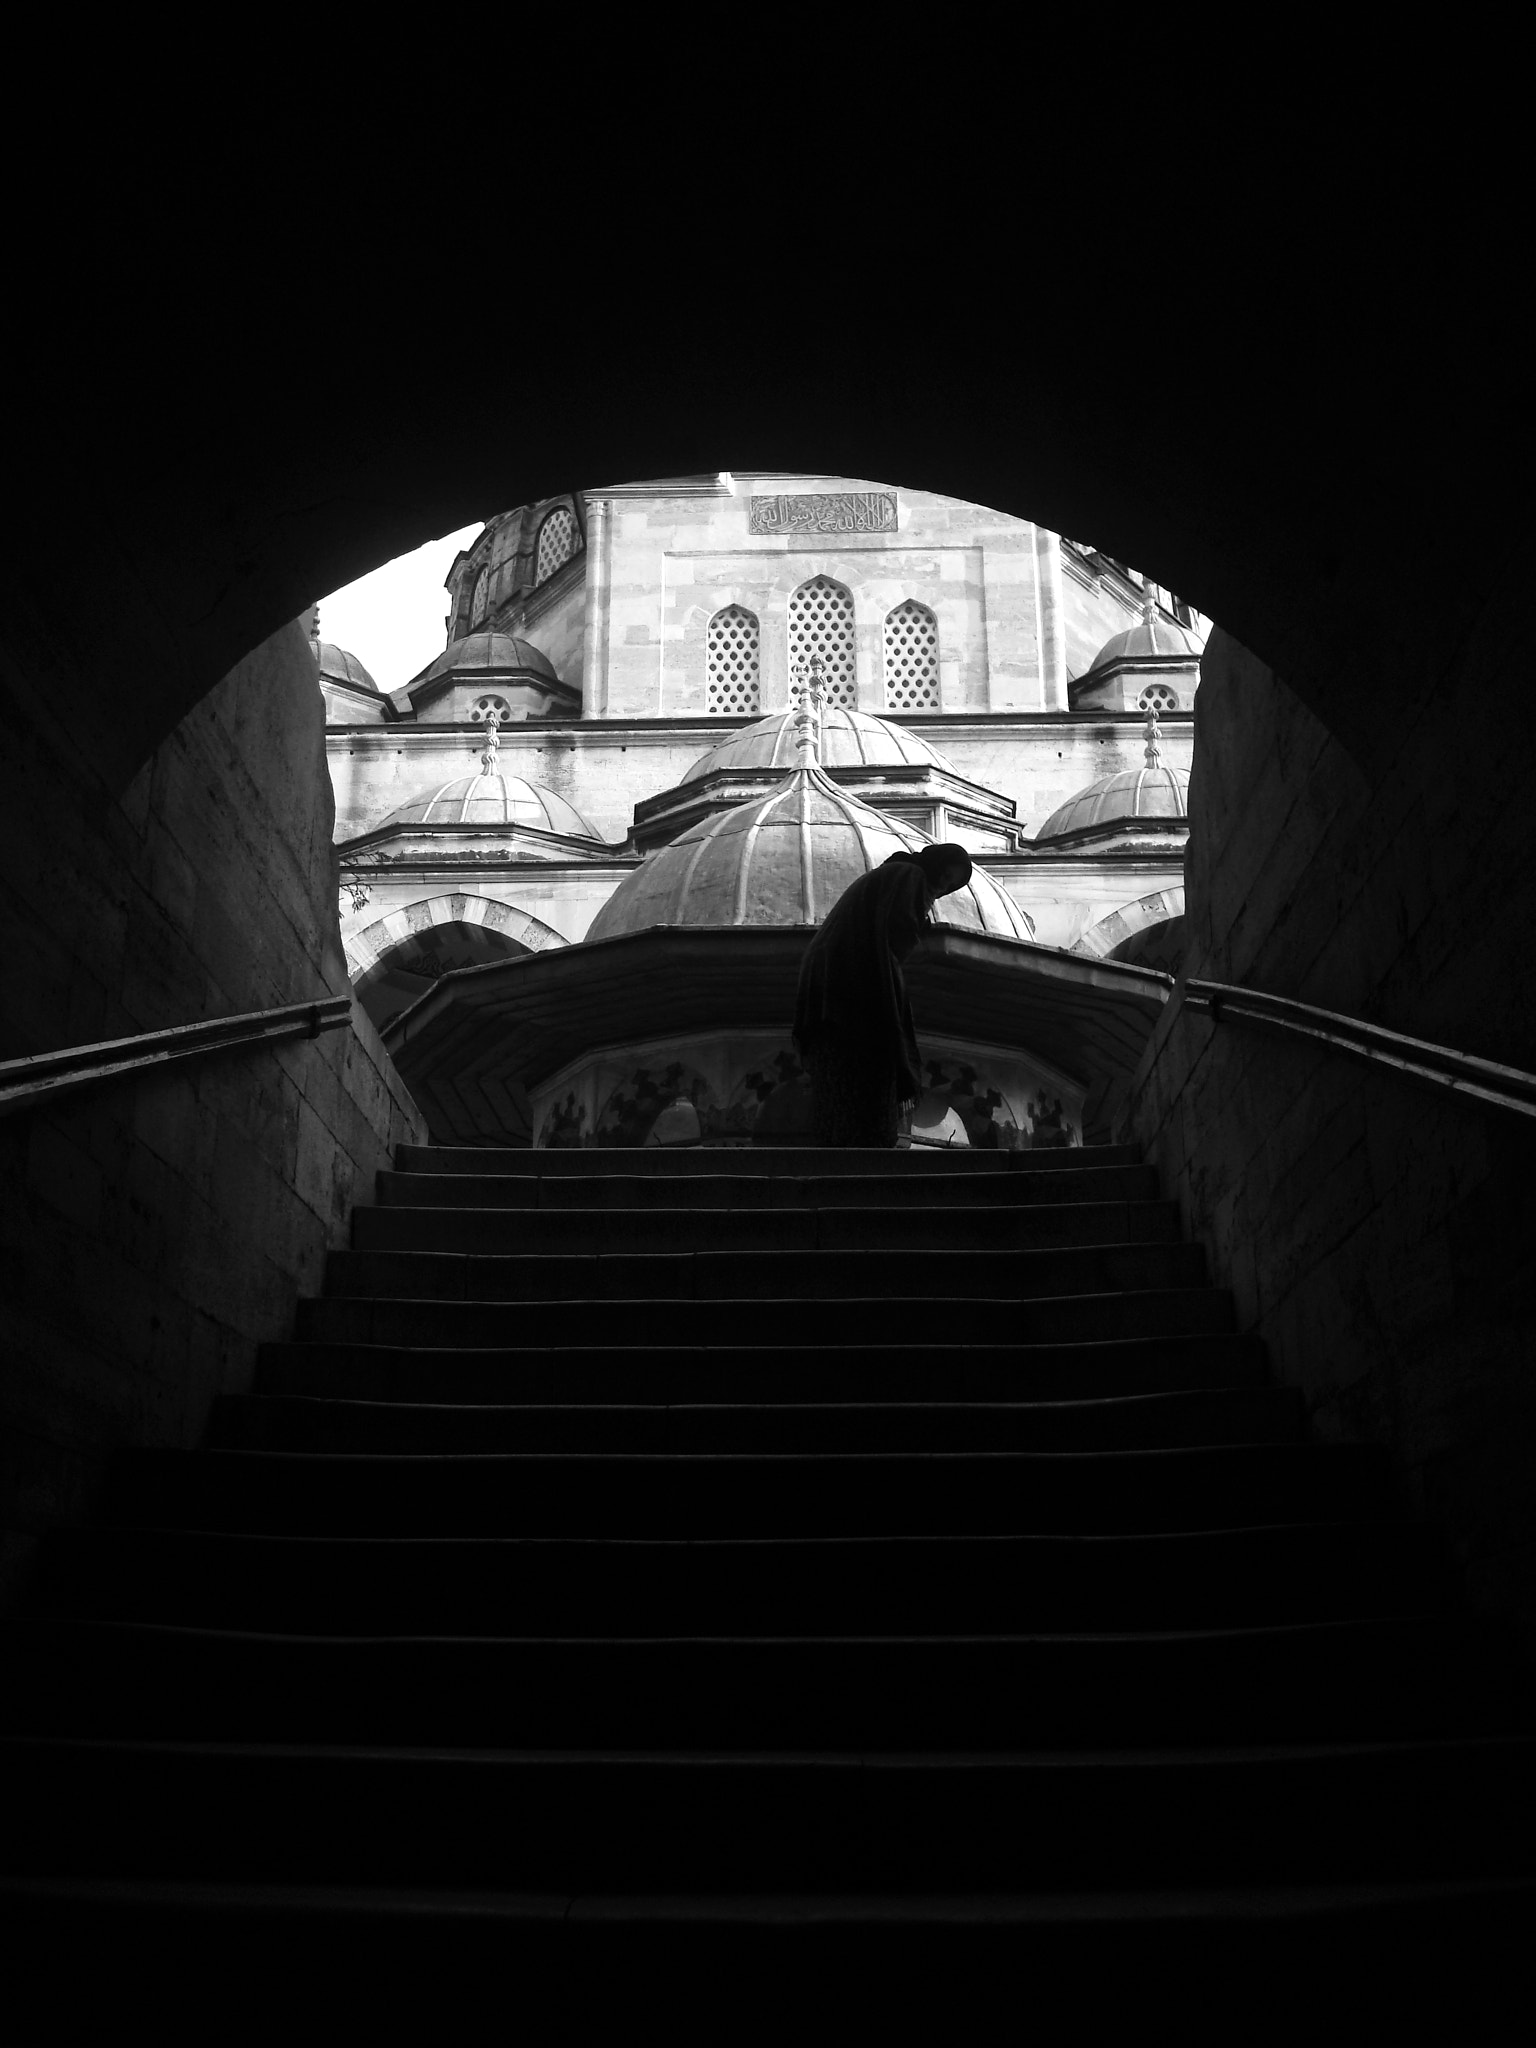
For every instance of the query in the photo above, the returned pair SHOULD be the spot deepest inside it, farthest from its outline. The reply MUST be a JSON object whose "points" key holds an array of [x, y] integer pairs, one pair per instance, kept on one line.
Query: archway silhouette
{"points": [[396, 959]]}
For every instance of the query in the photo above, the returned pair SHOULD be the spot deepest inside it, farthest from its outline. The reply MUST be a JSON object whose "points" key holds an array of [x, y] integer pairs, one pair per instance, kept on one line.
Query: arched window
{"points": [[482, 588], [733, 642], [821, 622], [911, 658], [1158, 697], [557, 543]]}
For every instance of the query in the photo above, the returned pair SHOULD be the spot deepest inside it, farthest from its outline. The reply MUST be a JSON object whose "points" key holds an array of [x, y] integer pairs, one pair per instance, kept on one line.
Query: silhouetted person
{"points": [[853, 1022]]}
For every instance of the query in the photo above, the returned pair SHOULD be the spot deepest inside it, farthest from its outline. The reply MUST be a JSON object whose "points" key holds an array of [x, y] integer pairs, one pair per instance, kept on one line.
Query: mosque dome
{"points": [[849, 739], [337, 666], [490, 651], [494, 799], [784, 858], [1152, 794], [1150, 639]]}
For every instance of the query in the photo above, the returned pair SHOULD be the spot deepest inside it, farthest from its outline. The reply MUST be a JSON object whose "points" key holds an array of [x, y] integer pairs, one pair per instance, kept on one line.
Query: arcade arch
{"points": [[396, 959]]}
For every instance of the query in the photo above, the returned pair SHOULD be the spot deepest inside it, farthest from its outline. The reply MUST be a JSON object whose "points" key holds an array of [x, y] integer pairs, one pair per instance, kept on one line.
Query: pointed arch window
{"points": [[558, 540], [821, 622], [911, 658], [732, 662]]}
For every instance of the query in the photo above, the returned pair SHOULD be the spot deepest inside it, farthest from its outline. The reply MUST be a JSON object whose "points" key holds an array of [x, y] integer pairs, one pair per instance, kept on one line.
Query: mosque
{"points": [[672, 721]]}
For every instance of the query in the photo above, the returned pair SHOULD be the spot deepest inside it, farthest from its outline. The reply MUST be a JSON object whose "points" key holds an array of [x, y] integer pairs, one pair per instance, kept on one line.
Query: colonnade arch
{"points": [[396, 958]]}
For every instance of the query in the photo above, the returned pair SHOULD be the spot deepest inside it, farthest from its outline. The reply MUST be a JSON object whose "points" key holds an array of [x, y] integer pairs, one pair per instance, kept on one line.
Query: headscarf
{"points": [[936, 862]]}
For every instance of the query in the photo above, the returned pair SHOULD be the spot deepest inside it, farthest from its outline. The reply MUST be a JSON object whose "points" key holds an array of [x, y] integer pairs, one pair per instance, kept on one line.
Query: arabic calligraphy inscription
{"points": [[826, 512]]}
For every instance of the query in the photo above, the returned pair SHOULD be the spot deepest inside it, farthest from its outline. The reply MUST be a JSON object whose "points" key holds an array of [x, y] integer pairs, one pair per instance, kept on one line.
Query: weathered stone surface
{"points": [[1366, 1224], [152, 1234]]}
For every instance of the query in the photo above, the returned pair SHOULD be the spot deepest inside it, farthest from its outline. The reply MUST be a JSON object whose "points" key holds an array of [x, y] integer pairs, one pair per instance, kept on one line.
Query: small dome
{"points": [[1148, 640], [494, 799], [1150, 793], [337, 666], [849, 739], [490, 651], [749, 866]]}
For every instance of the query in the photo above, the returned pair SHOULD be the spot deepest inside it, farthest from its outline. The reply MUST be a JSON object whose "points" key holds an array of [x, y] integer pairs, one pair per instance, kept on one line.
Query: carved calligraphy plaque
{"points": [[825, 512]]}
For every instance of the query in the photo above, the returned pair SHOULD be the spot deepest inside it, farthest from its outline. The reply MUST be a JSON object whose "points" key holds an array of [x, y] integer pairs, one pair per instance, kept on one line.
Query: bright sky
{"points": [[392, 618]]}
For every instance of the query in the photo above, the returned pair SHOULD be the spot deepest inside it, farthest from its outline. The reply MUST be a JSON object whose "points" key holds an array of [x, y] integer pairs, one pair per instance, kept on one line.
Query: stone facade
{"points": [[968, 627]]}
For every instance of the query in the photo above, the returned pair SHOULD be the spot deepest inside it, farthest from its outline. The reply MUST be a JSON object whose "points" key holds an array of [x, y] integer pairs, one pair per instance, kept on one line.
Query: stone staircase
{"points": [[844, 1568]]}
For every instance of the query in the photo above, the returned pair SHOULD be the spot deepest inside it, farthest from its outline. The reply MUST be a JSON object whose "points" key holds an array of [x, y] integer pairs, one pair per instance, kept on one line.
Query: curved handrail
{"points": [[1413, 1059], [27, 1083]]}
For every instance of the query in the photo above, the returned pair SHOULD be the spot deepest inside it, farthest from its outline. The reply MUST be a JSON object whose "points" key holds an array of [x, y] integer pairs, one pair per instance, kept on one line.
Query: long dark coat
{"points": [[852, 994]]}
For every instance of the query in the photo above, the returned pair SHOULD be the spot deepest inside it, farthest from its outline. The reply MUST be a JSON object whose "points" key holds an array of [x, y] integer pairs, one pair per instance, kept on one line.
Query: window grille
{"points": [[482, 708], [1159, 697], [733, 648], [482, 586], [821, 622], [557, 543], [911, 658]]}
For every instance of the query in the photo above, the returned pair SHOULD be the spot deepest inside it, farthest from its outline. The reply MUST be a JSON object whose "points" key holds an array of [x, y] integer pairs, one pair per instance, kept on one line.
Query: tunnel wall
{"points": [[153, 1233], [1369, 1227]]}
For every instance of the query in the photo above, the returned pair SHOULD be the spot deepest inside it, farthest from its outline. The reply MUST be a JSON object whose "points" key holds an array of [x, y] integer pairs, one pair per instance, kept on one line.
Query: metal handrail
{"points": [[1411, 1059], [44, 1076]]}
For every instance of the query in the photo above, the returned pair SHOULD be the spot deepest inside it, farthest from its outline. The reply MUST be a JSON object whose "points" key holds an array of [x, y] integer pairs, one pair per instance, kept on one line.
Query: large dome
{"points": [[1151, 793], [337, 666], [1148, 640], [784, 858], [496, 652], [494, 799], [849, 739]]}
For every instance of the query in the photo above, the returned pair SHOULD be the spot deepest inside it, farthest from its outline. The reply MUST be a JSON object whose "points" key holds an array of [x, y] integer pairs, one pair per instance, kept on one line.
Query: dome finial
{"points": [[808, 675], [1148, 605], [1154, 752], [492, 740]]}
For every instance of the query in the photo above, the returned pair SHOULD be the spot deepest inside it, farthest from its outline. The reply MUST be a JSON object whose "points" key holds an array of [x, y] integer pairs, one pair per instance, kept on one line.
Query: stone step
{"points": [[592, 1232], [762, 1275], [858, 1586], [1399, 1678], [860, 1372], [795, 1161], [833, 1824], [581, 1322], [407, 1961], [939, 1493], [1149, 1422], [727, 1189]]}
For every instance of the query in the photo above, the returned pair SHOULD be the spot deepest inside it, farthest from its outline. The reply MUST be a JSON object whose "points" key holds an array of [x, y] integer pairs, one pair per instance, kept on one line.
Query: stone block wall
{"points": [[153, 1233], [1375, 1233]]}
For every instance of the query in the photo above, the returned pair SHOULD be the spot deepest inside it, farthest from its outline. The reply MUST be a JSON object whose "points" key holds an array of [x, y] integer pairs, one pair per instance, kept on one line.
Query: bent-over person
{"points": [[853, 1022]]}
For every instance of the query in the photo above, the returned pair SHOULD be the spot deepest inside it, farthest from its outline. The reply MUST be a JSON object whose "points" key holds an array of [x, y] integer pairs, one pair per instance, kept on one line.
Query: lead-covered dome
{"points": [[336, 665], [494, 799], [498, 652], [849, 739], [1150, 639], [784, 858], [1147, 795]]}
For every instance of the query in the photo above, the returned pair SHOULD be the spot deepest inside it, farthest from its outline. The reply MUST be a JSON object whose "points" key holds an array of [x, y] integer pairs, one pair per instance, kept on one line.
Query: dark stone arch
{"points": [[233, 469], [406, 969]]}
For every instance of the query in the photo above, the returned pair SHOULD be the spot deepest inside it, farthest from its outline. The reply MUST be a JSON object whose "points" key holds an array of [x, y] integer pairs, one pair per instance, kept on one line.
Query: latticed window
{"points": [[557, 543], [911, 658], [821, 622], [1158, 697], [733, 644]]}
